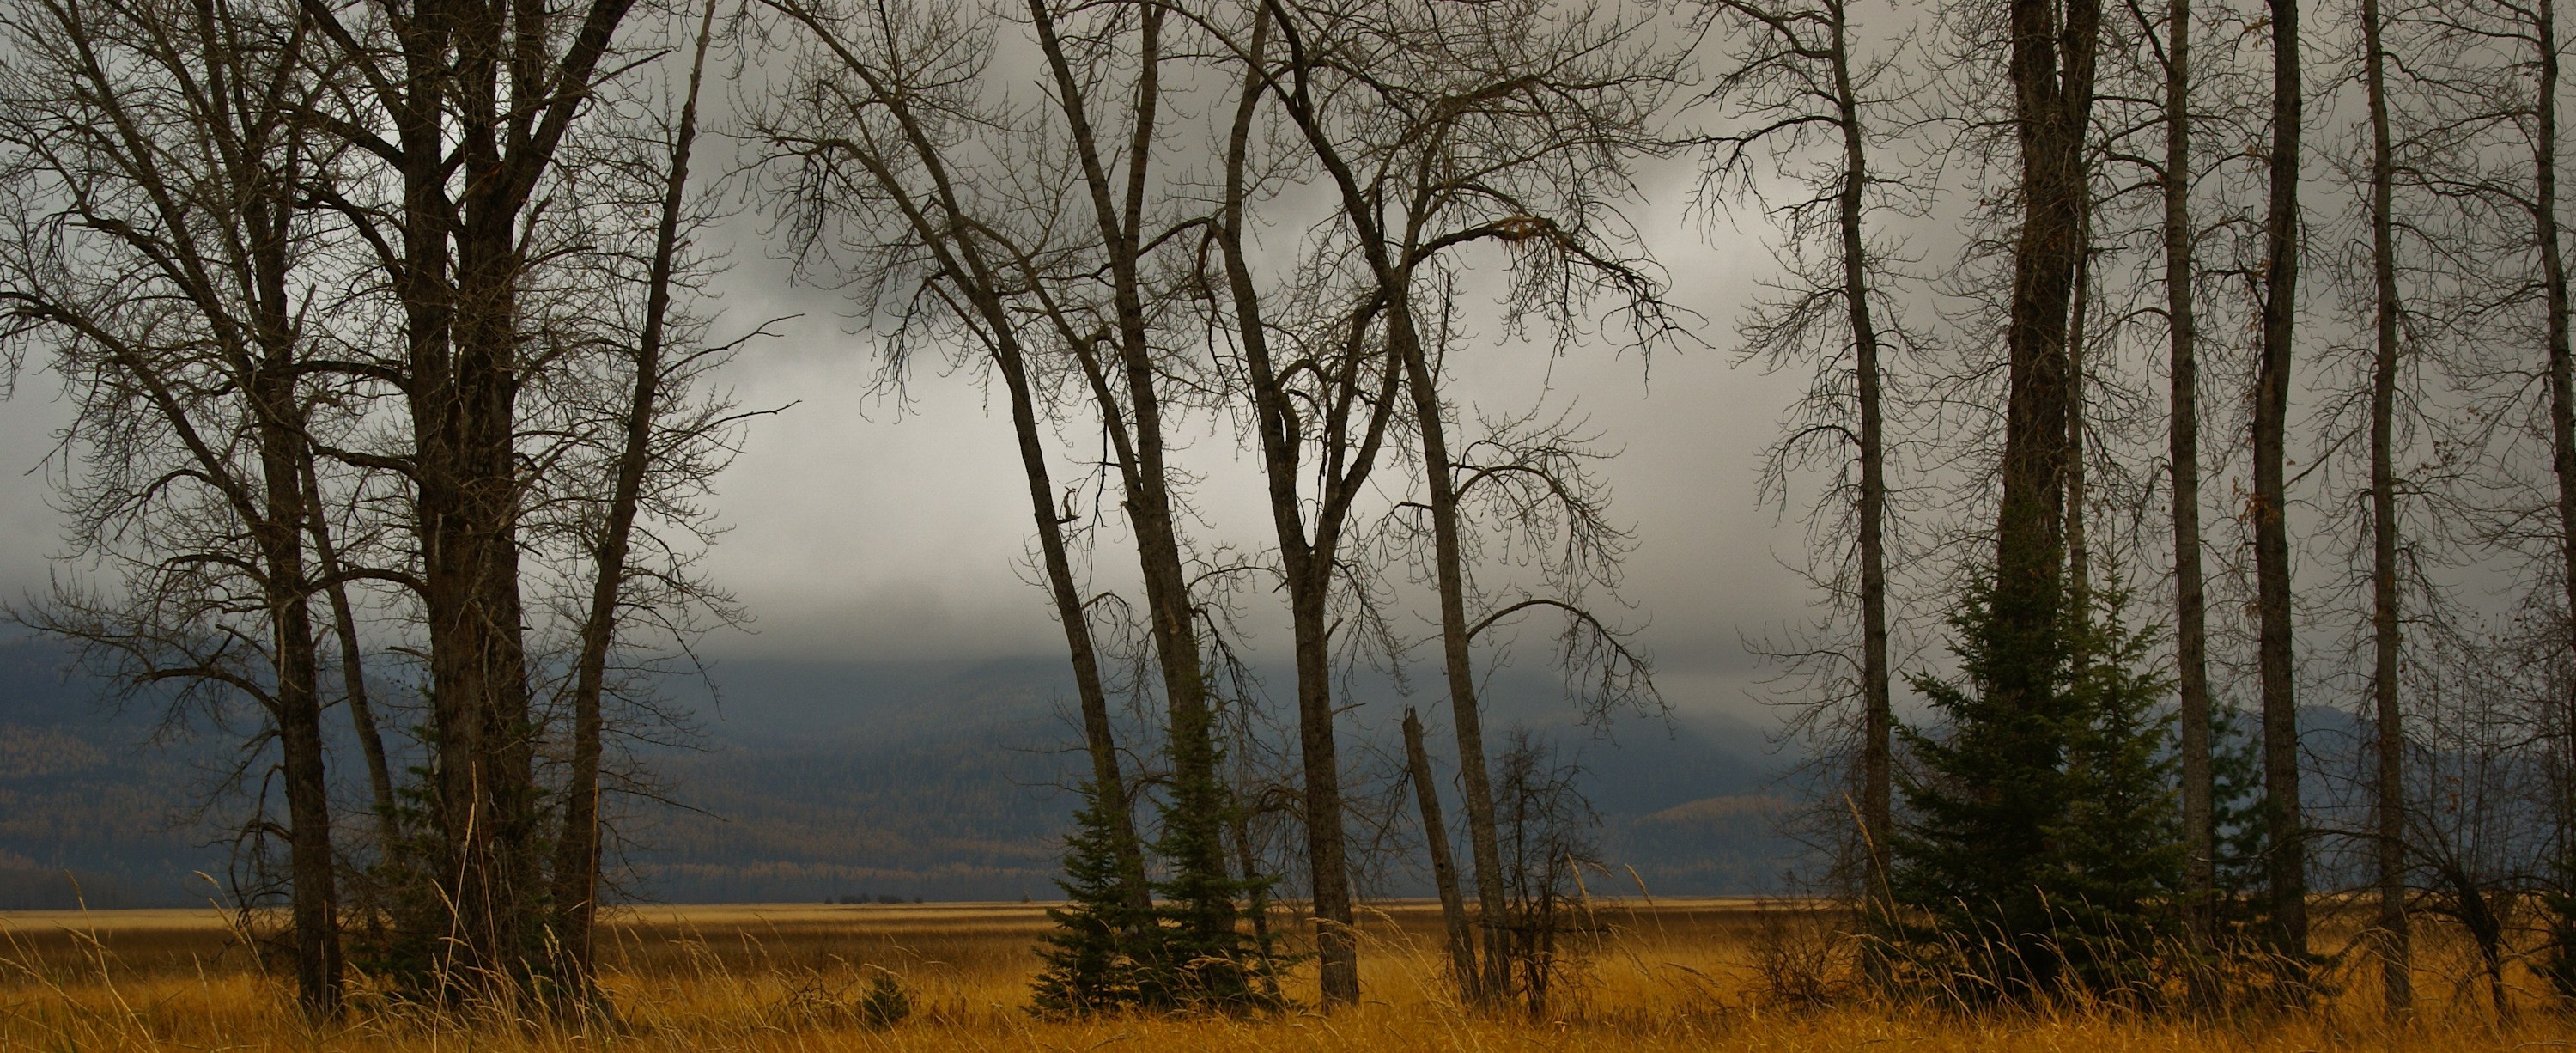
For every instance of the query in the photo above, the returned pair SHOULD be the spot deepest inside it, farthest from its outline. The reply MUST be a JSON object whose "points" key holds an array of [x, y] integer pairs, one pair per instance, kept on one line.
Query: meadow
{"points": [[1665, 975]]}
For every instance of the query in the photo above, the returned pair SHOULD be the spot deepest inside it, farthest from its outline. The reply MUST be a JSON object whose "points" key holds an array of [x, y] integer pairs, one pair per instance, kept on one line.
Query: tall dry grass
{"points": [[1665, 976]]}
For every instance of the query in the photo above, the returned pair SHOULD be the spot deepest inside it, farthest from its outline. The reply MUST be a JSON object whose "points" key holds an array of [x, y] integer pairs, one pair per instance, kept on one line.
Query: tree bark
{"points": [[1444, 873], [2389, 797], [2287, 865], [2191, 622], [2052, 65], [1878, 720]]}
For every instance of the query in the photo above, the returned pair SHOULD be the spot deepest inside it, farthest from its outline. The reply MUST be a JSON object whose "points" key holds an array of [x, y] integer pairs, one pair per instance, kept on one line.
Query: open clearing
{"points": [[1681, 974]]}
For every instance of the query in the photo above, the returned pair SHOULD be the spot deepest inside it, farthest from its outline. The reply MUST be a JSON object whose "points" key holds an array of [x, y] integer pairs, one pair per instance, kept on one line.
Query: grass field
{"points": [[1671, 975]]}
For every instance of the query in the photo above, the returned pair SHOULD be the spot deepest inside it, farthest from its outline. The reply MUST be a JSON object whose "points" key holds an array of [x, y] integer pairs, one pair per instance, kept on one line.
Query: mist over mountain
{"points": [[812, 778]]}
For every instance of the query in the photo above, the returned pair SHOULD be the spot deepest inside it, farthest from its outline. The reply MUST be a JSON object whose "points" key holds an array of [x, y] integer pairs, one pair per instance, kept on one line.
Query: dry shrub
{"points": [[1804, 956]]}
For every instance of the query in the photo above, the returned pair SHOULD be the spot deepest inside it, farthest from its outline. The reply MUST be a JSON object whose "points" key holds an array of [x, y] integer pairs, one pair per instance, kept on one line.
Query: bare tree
{"points": [[2387, 725], [160, 252], [645, 442], [867, 146], [2288, 882], [1799, 86], [466, 106]]}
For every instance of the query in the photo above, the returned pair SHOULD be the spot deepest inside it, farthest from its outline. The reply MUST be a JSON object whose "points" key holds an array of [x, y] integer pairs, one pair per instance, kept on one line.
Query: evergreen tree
{"points": [[1090, 960], [1974, 860], [1201, 956], [2043, 851], [2120, 842]]}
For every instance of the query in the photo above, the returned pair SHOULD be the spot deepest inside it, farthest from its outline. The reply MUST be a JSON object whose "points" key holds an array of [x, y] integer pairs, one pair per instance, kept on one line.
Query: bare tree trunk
{"points": [[488, 88], [1308, 562], [2191, 629], [2282, 810], [2079, 556], [1458, 666], [2052, 68], [314, 900], [1444, 873], [577, 848], [2389, 798], [1878, 720], [353, 661], [1118, 211], [2561, 367]]}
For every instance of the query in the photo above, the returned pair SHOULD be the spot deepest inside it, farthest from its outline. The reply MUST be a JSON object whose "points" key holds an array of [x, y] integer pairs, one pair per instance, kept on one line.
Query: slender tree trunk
{"points": [[353, 662], [1878, 720], [278, 529], [2282, 810], [2079, 556], [1307, 563], [2389, 799], [1458, 666], [2191, 628], [1336, 944], [577, 848], [314, 899], [1444, 874], [1118, 212]]}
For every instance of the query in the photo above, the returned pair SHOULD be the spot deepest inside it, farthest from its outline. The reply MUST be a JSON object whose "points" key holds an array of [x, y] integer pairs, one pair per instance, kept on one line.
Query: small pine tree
{"points": [[1973, 863], [2042, 851], [2119, 844], [1202, 957], [1090, 964]]}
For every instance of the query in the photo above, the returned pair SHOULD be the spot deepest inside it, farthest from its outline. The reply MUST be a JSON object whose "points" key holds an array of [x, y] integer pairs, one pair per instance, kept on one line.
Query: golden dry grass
{"points": [[1670, 976]]}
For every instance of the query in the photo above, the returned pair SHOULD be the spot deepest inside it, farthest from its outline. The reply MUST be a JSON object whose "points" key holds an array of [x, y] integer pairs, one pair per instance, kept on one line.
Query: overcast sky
{"points": [[865, 529]]}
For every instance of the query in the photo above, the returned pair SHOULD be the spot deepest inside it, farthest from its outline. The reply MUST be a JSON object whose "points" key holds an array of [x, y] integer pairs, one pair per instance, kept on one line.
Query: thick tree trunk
{"points": [[1444, 873], [2191, 621], [1878, 720], [2389, 797], [2282, 810], [2052, 71], [459, 289], [2562, 370]]}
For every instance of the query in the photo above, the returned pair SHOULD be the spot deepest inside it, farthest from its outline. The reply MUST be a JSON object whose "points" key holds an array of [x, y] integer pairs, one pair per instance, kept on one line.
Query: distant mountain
{"points": [[821, 779], [93, 798], [825, 779]]}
